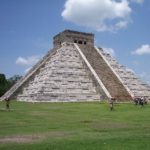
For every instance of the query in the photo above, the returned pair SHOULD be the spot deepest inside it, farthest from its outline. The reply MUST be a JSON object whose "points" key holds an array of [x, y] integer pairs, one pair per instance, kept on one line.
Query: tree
{"points": [[3, 84], [7, 84]]}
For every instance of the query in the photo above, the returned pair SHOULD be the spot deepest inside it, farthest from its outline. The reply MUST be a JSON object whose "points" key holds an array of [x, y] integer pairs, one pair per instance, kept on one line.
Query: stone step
{"points": [[60, 97]]}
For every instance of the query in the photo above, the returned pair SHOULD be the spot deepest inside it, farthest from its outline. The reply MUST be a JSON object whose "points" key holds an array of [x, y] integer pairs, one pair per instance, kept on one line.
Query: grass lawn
{"points": [[74, 126]]}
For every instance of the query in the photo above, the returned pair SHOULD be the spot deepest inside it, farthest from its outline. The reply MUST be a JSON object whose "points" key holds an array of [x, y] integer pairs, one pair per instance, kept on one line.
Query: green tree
{"points": [[6, 84], [3, 84]]}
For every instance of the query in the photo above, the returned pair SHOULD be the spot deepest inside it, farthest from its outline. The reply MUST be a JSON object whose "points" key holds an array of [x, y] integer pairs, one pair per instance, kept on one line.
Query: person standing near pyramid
{"points": [[7, 100], [111, 103]]}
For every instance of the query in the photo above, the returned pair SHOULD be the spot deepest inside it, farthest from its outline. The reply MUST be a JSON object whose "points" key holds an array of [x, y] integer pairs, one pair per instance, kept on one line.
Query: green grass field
{"points": [[74, 126]]}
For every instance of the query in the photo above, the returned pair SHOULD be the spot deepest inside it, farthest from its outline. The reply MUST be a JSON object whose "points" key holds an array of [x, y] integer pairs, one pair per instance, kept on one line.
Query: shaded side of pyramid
{"points": [[134, 85]]}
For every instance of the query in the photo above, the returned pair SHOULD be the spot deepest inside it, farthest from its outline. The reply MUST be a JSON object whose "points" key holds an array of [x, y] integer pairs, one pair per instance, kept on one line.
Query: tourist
{"points": [[140, 101], [111, 103], [7, 100], [136, 100]]}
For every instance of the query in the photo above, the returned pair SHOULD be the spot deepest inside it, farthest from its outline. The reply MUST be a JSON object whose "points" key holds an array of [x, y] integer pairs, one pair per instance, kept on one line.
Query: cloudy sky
{"points": [[121, 27]]}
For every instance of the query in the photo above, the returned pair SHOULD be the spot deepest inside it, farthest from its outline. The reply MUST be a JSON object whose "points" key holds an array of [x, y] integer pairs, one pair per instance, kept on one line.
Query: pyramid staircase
{"points": [[107, 76]]}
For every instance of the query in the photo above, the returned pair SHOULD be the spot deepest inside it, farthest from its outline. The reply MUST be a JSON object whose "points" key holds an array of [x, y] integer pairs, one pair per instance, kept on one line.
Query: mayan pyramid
{"points": [[76, 70]]}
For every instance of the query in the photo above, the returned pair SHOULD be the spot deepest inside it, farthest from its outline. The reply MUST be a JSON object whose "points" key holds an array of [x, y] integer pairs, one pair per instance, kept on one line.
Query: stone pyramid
{"points": [[76, 70]]}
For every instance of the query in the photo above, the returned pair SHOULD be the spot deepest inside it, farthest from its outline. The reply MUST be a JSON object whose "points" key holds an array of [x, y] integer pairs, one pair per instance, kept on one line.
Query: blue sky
{"points": [[27, 28]]}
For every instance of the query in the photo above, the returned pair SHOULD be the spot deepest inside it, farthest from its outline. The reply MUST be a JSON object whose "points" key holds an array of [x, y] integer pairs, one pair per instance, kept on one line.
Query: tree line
{"points": [[6, 84]]}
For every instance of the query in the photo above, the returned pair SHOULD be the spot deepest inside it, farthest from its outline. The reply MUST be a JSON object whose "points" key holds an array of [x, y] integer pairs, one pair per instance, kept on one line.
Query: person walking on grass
{"points": [[7, 100], [111, 103]]}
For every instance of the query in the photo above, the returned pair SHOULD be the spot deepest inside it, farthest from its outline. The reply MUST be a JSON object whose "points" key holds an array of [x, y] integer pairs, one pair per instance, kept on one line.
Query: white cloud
{"points": [[28, 61], [110, 51], [137, 1], [144, 49], [121, 24], [101, 15]]}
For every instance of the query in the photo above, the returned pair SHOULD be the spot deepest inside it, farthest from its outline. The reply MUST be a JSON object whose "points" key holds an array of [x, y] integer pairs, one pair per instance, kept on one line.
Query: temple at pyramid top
{"points": [[73, 37], [77, 70]]}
